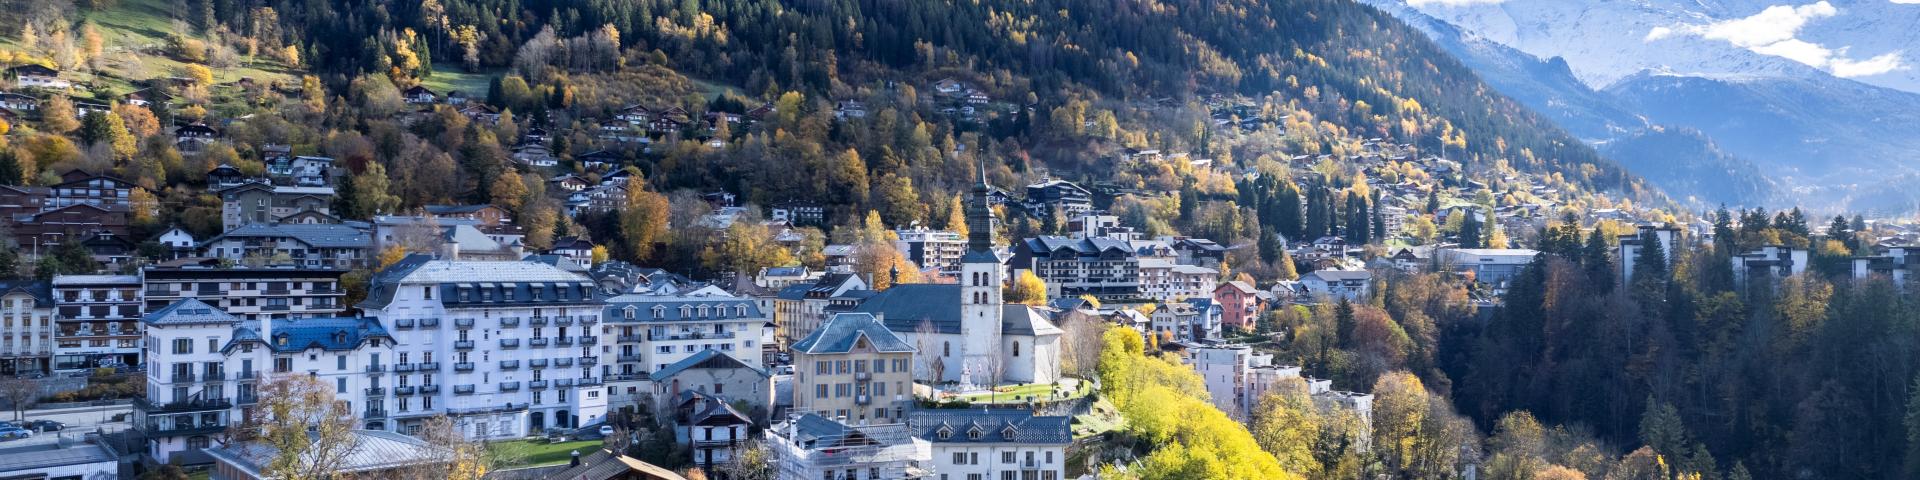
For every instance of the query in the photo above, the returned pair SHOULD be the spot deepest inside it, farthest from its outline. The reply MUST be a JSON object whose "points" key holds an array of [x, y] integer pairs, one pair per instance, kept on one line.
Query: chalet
{"points": [[79, 187], [978, 98], [278, 158], [949, 86], [146, 97], [599, 199], [225, 175], [1337, 284], [192, 137], [1044, 197], [634, 114], [481, 113], [82, 108], [664, 125], [713, 119], [535, 154], [599, 159], [37, 76], [419, 95], [485, 214], [846, 109], [567, 182], [618, 131], [535, 134], [311, 171], [19, 102], [456, 98], [109, 249], [799, 212], [44, 230], [760, 113]]}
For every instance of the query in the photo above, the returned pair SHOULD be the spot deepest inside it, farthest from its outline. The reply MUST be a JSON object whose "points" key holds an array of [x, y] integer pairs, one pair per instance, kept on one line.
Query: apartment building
{"points": [[649, 333], [208, 366], [938, 249], [854, 369], [993, 444], [26, 327], [97, 321], [799, 309], [517, 344], [251, 293], [814, 447], [1105, 268], [1165, 281]]}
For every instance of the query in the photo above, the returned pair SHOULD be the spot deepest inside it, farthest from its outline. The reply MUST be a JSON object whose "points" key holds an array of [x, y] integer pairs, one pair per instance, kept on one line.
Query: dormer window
{"points": [[703, 310], [629, 312], [659, 312], [945, 433], [685, 310], [740, 310], [975, 433], [1007, 433]]}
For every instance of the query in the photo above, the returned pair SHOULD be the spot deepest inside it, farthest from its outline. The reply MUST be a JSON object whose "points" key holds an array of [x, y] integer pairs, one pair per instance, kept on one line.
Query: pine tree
{"points": [[1433, 201], [1596, 260], [1269, 245], [1378, 228], [1470, 235], [1343, 322], [1650, 260]]}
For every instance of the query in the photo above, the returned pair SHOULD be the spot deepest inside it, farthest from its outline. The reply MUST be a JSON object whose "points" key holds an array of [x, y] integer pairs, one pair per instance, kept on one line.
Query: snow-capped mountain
{"points": [[1872, 41]]}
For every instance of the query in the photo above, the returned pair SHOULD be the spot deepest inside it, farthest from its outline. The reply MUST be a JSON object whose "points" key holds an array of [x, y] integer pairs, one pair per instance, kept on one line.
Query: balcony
{"points": [[402, 367], [589, 361], [182, 377], [537, 342], [428, 366], [862, 376], [276, 308], [463, 344], [463, 367], [463, 323], [629, 358], [563, 321], [435, 389], [509, 386], [509, 364], [537, 384], [589, 381], [537, 321], [589, 320], [376, 368], [161, 293], [509, 343], [246, 375], [563, 341], [429, 322], [589, 340], [249, 399], [216, 376], [862, 399], [537, 363], [629, 339], [463, 389], [403, 324], [689, 336], [564, 382], [374, 413], [405, 390], [185, 430], [376, 391], [198, 405], [563, 362], [510, 322]]}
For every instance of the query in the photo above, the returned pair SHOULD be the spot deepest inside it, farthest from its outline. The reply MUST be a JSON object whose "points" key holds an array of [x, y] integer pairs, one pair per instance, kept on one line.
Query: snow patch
{"points": [[1775, 31]]}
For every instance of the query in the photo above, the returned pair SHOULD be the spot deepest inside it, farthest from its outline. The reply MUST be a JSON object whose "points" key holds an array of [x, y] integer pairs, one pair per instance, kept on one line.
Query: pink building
{"points": [[1239, 304]]}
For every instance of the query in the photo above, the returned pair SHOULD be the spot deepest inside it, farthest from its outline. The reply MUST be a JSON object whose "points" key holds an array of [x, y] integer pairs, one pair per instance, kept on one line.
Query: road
{"points": [[80, 421]]}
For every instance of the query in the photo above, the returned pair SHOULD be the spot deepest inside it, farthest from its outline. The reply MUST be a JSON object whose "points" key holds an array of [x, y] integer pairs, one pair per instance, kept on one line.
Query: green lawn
{"points": [[1009, 393], [537, 452], [131, 32], [450, 77], [1103, 418]]}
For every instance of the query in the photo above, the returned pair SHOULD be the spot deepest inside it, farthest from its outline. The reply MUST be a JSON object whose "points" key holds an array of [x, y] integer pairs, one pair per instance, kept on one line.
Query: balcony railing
{"points": [[509, 386], [510, 322], [185, 430], [537, 321], [589, 361], [862, 376], [563, 382], [429, 322], [182, 377], [563, 362], [537, 363], [428, 366], [589, 381], [402, 367], [509, 343], [688, 336], [629, 339], [183, 406], [405, 390], [463, 367], [463, 344], [562, 321], [537, 384], [509, 364], [862, 399], [246, 375], [463, 389], [404, 323], [435, 389], [376, 368], [537, 343], [588, 320], [216, 376], [247, 399], [376, 391], [563, 341], [589, 340], [373, 413], [463, 323], [629, 358]]}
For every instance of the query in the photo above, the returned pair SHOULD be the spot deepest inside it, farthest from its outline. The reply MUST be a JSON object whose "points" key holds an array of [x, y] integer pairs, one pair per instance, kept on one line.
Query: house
{"points": [[621, 132], [27, 327], [313, 246], [534, 154], [976, 443], [654, 331], [1165, 281], [948, 86], [1240, 304], [567, 182], [634, 115], [178, 241], [1490, 266], [846, 109], [42, 231], [19, 102], [146, 97], [936, 249], [1769, 262], [78, 186], [714, 431], [278, 159], [801, 308], [1238, 377], [456, 98], [225, 176], [37, 76], [1045, 197], [712, 373], [600, 160], [1630, 245], [419, 95], [798, 212], [480, 113], [1338, 284], [311, 171], [192, 137], [256, 202], [1198, 251], [600, 464], [855, 368]]}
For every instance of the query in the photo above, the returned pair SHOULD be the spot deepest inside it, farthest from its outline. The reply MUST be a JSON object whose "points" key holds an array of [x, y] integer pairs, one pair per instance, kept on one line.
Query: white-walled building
{"points": [[1338, 284], [26, 327], [1165, 281], [206, 366], [1237, 376], [1630, 246], [993, 444], [812, 447], [517, 344], [648, 333]]}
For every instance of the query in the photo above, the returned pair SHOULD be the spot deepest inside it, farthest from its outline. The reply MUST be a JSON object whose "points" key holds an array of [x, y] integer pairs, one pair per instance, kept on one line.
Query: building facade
{"points": [[97, 320], [26, 327], [251, 293], [975, 444], [853, 369], [1105, 268], [937, 249], [649, 333]]}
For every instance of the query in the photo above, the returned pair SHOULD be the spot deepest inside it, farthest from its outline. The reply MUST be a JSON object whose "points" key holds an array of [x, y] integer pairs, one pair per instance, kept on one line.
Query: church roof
{"points": [[905, 307]]}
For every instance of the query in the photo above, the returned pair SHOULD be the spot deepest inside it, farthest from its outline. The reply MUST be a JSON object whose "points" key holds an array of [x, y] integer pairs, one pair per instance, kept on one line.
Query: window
{"points": [[340, 362], [340, 385], [427, 293], [946, 349], [1006, 457], [183, 345], [820, 391], [213, 344], [959, 458], [1016, 349]]}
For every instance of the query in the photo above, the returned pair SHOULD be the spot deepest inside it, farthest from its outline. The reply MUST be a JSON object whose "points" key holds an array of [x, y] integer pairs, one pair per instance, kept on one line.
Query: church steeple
{"points": [[980, 216]]}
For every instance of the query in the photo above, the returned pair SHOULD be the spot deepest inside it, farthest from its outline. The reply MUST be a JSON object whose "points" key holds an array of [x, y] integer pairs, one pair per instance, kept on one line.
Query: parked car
{"points": [[606, 430], [14, 433], [45, 426]]}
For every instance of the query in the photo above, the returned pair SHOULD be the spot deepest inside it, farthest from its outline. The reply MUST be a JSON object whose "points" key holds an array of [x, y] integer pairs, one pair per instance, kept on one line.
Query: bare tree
{"points": [[996, 371], [455, 456], [421, 235], [307, 431], [1080, 343], [21, 393], [929, 351], [752, 461]]}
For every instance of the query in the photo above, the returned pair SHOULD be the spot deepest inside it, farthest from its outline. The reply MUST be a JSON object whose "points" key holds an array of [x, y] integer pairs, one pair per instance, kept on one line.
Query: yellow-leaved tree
{"points": [[1026, 288]]}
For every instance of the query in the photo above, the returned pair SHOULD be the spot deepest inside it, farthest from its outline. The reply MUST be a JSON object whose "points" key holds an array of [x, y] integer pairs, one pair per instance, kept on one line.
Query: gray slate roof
{"points": [[40, 290], [905, 307], [708, 358], [995, 425], [189, 311], [721, 308], [839, 333], [314, 235]]}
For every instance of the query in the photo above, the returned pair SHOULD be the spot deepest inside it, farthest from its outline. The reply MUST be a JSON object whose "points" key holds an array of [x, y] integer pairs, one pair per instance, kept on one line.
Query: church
{"points": [[964, 333]]}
